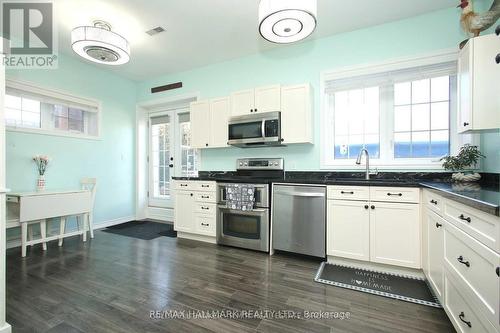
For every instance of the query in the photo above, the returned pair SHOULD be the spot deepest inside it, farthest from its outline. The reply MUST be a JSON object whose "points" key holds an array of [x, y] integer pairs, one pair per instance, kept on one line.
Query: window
{"points": [[401, 113], [32, 109], [189, 156]]}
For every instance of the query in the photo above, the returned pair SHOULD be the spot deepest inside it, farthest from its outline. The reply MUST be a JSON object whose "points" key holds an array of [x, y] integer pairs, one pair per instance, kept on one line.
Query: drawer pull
{"points": [[498, 271], [366, 207], [462, 316], [372, 207], [205, 185], [191, 194], [461, 260], [205, 208], [205, 224], [434, 202], [205, 196], [462, 217], [184, 185], [346, 192], [438, 225], [398, 194]]}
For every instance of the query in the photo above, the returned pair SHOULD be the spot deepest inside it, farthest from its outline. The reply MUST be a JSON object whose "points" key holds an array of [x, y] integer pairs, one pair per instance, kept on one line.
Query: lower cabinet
{"points": [[434, 266], [183, 211]]}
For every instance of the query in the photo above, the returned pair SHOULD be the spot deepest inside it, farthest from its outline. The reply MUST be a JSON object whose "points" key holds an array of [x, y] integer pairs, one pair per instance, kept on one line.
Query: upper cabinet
{"points": [[262, 99], [478, 78], [296, 114], [209, 123]]}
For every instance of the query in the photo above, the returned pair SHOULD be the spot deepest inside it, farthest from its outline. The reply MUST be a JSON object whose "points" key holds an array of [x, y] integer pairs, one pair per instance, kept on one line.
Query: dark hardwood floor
{"points": [[112, 283]]}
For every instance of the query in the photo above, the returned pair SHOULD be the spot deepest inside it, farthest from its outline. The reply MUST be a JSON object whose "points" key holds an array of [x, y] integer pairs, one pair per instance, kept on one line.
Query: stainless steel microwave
{"points": [[255, 130]]}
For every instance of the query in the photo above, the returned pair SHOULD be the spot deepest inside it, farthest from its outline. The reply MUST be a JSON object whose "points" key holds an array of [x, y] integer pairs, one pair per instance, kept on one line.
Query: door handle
{"points": [[462, 261], [170, 165], [438, 225]]}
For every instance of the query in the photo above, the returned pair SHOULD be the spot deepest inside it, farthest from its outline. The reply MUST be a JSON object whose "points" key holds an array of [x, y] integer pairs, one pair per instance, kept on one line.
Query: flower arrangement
{"points": [[464, 163], [41, 162]]}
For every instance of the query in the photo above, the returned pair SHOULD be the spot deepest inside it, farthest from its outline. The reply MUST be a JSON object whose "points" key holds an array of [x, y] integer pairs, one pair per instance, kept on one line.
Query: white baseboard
{"points": [[6, 328], [161, 214], [376, 266], [16, 242], [200, 238]]}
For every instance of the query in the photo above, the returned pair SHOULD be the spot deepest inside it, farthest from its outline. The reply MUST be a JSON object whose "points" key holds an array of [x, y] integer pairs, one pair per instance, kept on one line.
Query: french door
{"points": [[170, 153]]}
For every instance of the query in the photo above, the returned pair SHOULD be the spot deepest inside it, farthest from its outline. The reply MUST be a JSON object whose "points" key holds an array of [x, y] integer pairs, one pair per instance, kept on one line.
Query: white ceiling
{"points": [[201, 32]]}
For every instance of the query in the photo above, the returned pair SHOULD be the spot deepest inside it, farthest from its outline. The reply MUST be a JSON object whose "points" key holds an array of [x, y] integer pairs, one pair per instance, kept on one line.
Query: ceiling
{"points": [[201, 32]]}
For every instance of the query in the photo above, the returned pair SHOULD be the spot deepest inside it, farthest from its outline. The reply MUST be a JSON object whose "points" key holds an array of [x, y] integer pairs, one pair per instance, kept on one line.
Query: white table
{"points": [[28, 207]]}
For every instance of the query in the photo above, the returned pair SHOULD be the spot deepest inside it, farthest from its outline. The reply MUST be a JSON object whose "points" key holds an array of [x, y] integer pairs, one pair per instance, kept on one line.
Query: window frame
{"points": [[387, 160], [32, 88]]}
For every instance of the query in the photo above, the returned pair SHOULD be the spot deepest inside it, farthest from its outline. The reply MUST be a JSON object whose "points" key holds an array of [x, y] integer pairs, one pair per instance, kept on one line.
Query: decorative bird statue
{"points": [[473, 23]]}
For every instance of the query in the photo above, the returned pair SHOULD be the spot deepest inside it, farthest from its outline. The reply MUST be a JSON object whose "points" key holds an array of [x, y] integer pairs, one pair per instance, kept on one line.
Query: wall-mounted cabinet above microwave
{"points": [[209, 118]]}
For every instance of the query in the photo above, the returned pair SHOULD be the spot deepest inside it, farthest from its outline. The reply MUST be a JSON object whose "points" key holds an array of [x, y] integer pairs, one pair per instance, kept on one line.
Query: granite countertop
{"points": [[484, 196]]}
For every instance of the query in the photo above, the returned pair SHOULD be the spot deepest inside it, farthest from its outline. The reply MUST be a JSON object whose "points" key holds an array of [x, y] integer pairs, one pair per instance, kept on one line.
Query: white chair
{"points": [[89, 184]]}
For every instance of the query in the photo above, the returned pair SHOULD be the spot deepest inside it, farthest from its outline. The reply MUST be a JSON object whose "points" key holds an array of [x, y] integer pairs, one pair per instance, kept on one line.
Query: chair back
{"points": [[89, 184]]}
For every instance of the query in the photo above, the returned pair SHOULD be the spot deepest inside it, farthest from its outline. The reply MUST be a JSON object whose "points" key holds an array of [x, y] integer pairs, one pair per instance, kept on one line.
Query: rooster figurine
{"points": [[472, 22]]}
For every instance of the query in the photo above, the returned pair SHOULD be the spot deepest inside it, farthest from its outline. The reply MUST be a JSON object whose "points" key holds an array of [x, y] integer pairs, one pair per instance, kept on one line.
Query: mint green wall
{"points": [[304, 62], [110, 159]]}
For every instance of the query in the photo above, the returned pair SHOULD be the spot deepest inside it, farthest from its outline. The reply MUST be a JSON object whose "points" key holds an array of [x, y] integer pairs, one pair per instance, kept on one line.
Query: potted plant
{"points": [[464, 164]]}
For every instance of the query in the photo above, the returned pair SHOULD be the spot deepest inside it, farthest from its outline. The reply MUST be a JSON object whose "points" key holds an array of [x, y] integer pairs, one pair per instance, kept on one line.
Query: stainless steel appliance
{"points": [[299, 219], [255, 130], [248, 229]]}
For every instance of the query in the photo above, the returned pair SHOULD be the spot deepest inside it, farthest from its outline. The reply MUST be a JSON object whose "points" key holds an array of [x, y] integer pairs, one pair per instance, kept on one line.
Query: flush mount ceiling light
{"points": [[99, 44], [287, 21]]}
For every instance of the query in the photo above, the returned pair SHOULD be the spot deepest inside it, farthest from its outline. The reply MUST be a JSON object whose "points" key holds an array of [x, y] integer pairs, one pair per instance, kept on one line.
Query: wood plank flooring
{"points": [[112, 283]]}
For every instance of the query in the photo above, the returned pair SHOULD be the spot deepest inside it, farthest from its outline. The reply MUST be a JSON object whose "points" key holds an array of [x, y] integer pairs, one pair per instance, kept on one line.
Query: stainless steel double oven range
{"points": [[248, 229]]}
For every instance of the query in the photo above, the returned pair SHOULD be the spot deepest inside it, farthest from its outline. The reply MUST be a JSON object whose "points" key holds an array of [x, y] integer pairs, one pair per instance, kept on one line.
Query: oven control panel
{"points": [[260, 164]]}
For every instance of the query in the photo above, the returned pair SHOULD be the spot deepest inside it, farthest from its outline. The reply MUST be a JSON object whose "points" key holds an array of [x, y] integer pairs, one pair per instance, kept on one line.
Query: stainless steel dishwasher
{"points": [[299, 219]]}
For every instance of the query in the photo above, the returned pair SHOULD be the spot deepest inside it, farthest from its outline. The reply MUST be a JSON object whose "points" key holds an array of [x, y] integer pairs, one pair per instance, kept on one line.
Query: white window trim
{"points": [[59, 94], [378, 67]]}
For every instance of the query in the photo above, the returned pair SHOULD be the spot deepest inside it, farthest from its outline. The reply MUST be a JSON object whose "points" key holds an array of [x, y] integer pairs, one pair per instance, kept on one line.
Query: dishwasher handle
{"points": [[301, 194]]}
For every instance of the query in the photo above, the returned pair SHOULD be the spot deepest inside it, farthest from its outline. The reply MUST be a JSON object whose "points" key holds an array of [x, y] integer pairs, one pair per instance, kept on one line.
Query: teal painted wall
{"points": [[304, 62], [110, 159]]}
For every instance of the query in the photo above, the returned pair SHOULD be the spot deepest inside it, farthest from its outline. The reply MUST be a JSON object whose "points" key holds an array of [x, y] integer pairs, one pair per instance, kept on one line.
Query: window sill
{"points": [[52, 133]]}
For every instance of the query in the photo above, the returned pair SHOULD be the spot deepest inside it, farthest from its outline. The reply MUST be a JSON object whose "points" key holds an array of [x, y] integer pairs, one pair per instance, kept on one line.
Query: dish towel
{"points": [[240, 196]]}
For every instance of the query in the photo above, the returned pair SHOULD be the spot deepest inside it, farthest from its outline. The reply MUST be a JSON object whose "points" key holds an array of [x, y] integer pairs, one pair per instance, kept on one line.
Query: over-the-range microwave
{"points": [[255, 130]]}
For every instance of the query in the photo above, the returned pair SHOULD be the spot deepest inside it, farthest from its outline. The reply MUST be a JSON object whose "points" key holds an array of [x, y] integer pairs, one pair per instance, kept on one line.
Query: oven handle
{"points": [[263, 129], [255, 210], [301, 194]]}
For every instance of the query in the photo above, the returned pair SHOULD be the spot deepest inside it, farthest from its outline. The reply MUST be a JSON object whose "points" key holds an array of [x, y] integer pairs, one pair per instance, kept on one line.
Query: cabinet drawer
{"points": [[205, 197], [184, 185], [475, 266], [433, 202], [460, 311], [204, 224], [394, 194], [12, 199], [348, 192], [205, 208], [480, 225], [205, 186]]}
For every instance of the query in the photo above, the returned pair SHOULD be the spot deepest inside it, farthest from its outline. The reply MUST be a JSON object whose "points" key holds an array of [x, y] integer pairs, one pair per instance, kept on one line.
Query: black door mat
{"points": [[405, 288], [146, 230]]}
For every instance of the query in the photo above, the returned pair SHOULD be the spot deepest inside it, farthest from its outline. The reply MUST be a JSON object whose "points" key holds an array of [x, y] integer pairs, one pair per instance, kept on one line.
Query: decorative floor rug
{"points": [[145, 230]]}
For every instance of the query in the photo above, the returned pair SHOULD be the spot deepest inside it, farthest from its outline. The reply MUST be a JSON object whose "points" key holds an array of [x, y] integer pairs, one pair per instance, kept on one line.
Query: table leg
{"points": [[24, 236], [91, 224], [43, 233], [84, 226], [62, 230]]}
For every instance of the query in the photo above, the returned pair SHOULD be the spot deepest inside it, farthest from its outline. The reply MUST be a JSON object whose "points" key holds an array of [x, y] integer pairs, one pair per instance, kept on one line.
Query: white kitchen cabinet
{"points": [[478, 79], [434, 242], [258, 100], [209, 123], [348, 228], [296, 114], [219, 116], [199, 115], [395, 234], [183, 211]]}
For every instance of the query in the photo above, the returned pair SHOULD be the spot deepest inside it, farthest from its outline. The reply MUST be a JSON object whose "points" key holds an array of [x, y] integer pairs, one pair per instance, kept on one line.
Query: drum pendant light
{"points": [[287, 21]]}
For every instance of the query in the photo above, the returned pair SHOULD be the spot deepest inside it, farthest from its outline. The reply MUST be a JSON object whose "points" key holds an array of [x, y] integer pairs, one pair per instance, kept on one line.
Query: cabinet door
{"points": [[219, 115], [296, 114], [242, 102], [348, 229], [395, 234], [183, 211], [200, 120], [465, 88], [268, 99], [435, 251]]}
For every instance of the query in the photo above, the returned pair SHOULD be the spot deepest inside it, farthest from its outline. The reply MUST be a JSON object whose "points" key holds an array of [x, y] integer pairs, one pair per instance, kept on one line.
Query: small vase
{"points": [[40, 184], [465, 177]]}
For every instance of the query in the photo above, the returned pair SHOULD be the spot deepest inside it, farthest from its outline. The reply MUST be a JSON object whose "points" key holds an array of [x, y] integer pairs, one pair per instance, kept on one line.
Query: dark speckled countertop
{"points": [[484, 196]]}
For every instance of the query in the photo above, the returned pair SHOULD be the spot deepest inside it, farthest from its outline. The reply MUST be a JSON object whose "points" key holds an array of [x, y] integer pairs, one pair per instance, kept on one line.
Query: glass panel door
{"points": [[160, 159]]}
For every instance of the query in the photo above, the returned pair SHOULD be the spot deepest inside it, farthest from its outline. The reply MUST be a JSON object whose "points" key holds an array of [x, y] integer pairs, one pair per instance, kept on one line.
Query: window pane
{"points": [[341, 147], [402, 145], [31, 105], [373, 145], [13, 117], [402, 118], [440, 88], [440, 115], [31, 119], [420, 91], [60, 111], [356, 142], [61, 123], [440, 144], [75, 125], [13, 102], [75, 114], [420, 117], [402, 93], [420, 144]]}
